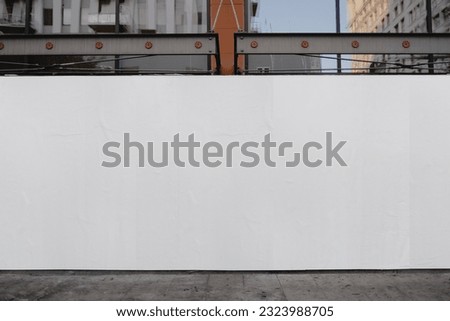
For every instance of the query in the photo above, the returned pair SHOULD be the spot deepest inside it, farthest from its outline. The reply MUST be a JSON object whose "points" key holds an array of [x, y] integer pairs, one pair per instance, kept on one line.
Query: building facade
{"points": [[396, 16], [98, 16], [72, 17], [135, 17]]}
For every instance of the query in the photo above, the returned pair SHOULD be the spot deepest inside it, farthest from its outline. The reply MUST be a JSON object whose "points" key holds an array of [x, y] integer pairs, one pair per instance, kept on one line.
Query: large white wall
{"points": [[389, 208]]}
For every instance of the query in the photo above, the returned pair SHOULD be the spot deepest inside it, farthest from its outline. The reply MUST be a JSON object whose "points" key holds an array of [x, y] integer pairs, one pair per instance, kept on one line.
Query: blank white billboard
{"points": [[384, 205]]}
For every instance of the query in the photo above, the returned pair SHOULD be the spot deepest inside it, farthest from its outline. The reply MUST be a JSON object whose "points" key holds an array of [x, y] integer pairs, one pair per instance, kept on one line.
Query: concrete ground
{"points": [[217, 286]]}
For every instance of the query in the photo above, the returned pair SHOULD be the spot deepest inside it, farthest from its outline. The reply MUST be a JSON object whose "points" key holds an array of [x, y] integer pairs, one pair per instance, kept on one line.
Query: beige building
{"points": [[395, 16]]}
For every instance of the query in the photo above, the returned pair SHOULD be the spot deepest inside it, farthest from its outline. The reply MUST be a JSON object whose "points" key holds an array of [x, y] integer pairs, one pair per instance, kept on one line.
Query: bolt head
{"points": [[198, 44], [148, 45]]}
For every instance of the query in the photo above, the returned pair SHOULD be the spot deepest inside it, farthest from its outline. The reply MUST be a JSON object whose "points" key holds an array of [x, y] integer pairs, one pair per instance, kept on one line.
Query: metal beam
{"points": [[109, 45], [347, 43]]}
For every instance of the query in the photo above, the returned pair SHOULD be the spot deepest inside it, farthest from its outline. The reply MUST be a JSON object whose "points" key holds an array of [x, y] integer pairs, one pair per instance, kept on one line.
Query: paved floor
{"points": [[90, 285]]}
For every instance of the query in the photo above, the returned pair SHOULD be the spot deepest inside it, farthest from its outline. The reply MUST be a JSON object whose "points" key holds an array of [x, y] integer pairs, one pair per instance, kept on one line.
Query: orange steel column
{"points": [[226, 27]]}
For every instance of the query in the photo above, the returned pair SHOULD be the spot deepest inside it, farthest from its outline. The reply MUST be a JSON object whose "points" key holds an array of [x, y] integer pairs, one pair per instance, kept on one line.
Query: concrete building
{"points": [[396, 16], [90, 16]]}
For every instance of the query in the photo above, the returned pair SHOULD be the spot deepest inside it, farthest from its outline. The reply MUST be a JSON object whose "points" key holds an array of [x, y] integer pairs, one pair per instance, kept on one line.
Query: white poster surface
{"points": [[262, 173]]}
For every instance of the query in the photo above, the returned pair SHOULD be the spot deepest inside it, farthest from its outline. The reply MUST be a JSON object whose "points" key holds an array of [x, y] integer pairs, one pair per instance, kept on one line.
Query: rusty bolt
{"points": [[198, 44], [355, 44], [254, 44], [99, 45], [2, 45], [305, 44], [406, 44], [148, 45], [49, 45]]}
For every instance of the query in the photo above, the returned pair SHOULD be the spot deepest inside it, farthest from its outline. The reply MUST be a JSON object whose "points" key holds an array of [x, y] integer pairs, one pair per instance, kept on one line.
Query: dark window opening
{"points": [[48, 17]]}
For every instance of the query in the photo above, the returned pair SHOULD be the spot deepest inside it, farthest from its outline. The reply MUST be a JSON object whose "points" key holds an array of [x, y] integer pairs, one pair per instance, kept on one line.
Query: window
{"points": [[67, 12], [108, 5], [102, 3], [48, 17]]}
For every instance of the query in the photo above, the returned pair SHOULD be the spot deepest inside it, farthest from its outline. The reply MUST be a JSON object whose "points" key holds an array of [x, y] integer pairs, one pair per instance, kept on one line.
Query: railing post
{"points": [[117, 30], [430, 30], [338, 30]]}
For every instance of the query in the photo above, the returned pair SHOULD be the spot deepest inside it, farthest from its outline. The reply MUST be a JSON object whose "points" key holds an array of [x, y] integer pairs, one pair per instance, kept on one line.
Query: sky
{"points": [[300, 16]]}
